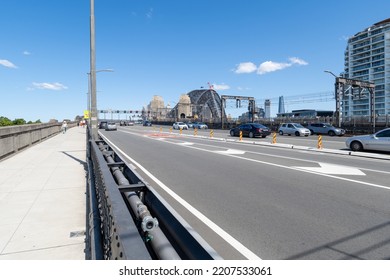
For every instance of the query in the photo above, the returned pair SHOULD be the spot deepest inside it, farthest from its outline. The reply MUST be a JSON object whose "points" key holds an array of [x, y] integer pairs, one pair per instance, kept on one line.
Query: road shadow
{"points": [[349, 255]]}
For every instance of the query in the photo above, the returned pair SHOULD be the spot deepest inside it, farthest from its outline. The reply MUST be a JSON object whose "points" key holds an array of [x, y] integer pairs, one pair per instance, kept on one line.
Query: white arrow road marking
{"points": [[333, 169], [185, 144], [231, 152]]}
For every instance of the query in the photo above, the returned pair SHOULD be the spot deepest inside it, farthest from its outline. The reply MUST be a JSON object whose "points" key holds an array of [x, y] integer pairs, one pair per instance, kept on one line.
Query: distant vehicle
{"points": [[111, 126], [325, 128], [293, 129], [102, 125], [251, 130], [126, 123], [199, 125], [147, 123], [190, 124], [379, 141], [179, 125]]}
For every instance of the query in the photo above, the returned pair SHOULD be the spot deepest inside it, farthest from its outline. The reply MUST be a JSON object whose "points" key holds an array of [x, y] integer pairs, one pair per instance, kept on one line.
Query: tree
{"points": [[18, 122], [5, 121]]}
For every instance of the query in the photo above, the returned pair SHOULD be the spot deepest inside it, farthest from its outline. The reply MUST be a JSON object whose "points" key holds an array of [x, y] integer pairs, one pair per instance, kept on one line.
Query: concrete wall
{"points": [[16, 138]]}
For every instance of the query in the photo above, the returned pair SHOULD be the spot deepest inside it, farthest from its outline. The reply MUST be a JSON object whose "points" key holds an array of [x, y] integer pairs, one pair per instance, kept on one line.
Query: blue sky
{"points": [[263, 49]]}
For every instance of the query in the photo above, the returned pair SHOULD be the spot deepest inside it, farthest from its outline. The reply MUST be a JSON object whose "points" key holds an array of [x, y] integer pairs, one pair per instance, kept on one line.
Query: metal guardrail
{"points": [[128, 219]]}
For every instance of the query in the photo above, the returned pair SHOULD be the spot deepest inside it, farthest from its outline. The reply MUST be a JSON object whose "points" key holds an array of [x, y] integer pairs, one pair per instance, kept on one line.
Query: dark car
{"points": [[103, 125], [147, 123], [251, 130]]}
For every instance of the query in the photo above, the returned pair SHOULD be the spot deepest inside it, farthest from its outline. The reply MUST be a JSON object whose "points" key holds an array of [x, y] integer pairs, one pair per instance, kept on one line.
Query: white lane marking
{"points": [[293, 168], [231, 152], [297, 169], [334, 169], [293, 158], [312, 172], [186, 143], [218, 230]]}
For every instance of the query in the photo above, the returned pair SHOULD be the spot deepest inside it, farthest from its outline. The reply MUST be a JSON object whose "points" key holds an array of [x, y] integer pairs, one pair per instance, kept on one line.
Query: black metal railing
{"points": [[128, 219]]}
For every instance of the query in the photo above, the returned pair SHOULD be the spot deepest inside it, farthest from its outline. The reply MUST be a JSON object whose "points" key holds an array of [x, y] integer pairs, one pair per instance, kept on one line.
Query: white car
{"points": [[179, 125], [379, 141], [111, 126], [293, 129]]}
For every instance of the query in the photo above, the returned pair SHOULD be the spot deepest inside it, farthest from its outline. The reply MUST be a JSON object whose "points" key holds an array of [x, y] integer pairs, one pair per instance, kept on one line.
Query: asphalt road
{"points": [[267, 201]]}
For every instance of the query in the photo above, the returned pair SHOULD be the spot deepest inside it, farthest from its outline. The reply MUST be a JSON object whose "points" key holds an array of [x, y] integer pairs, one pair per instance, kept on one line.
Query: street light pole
{"points": [[89, 89], [93, 73], [337, 92]]}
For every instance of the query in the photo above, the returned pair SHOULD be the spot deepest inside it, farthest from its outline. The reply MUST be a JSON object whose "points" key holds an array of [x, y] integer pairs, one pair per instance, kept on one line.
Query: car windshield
{"points": [[298, 125]]}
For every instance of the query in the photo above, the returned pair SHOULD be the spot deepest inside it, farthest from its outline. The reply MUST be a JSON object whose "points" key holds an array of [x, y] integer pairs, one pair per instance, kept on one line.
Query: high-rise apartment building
{"points": [[267, 108], [367, 58], [281, 109]]}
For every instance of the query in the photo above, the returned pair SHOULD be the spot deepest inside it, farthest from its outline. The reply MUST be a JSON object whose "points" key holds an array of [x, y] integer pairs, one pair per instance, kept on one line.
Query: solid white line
{"points": [[218, 230]]}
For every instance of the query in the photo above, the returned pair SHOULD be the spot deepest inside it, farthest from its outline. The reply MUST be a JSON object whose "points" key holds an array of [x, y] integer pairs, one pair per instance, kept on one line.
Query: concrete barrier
{"points": [[19, 137]]}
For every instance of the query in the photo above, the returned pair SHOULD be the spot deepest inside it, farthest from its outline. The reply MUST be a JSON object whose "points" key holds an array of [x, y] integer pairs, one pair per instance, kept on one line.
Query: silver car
{"points": [[293, 129], [179, 125], [379, 141], [325, 128], [111, 126]]}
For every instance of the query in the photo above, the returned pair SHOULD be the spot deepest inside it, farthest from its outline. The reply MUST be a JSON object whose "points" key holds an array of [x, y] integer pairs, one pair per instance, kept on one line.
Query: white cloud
{"points": [[26, 53], [296, 60], [270, 66], [243, 88], [149, 14], [49, 86], [7, 63], [245, 67], [221, 87]]}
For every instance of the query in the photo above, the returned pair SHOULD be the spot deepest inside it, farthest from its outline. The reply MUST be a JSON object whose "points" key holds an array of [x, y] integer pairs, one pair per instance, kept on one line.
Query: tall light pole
{"points": [[337, 94], [89, 88], [330, 72], [93, 72]]}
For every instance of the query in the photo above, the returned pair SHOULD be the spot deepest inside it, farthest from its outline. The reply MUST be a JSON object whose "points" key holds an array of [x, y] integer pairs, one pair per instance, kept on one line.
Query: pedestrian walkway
{"points": [[42, 200]]}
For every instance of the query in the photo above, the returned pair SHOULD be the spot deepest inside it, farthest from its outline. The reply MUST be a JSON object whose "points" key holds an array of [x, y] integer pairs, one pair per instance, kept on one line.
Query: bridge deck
{"points": [[42, 200]]}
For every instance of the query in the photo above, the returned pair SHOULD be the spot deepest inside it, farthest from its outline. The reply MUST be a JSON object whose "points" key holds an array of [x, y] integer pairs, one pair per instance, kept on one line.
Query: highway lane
{"points": [[279, 203], [310, 141]]}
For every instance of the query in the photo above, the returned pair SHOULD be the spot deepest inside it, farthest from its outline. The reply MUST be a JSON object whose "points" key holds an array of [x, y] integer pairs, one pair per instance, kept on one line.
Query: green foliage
{"points": [[5, 121], [18, 122]]}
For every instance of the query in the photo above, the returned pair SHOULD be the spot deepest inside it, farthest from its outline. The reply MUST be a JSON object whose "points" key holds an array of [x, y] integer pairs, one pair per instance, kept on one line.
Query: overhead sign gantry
{"points": [[251, 106], [354, 85]]}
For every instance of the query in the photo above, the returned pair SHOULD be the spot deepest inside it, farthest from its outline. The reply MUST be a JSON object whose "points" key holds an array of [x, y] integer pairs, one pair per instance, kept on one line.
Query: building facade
{"points": [[267, 108], [367, 58]]}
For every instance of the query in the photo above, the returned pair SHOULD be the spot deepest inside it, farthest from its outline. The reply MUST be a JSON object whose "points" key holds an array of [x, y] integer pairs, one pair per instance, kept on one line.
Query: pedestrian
{"points": [[64, 127]]}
